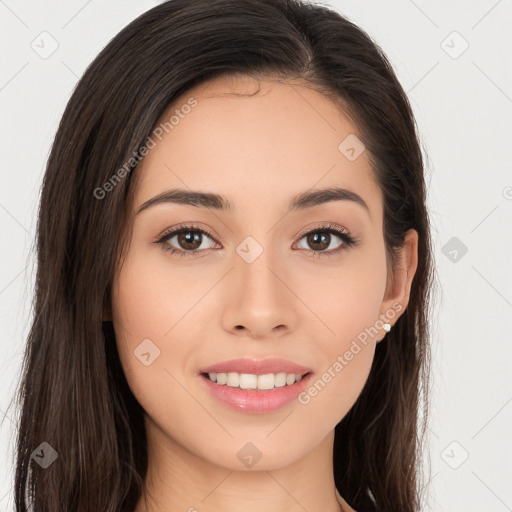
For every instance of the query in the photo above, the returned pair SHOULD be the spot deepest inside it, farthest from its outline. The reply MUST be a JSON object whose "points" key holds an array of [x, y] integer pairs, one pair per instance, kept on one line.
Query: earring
{"points": [[386, 327]]}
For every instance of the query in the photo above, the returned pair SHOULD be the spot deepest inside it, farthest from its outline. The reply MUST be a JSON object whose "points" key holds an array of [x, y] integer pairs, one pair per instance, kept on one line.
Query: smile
{"points": [[253, 381], [242, 392]]}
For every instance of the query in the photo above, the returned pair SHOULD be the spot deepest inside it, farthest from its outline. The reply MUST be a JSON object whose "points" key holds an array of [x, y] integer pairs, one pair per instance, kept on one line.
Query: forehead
{"points": [[250, 140]]}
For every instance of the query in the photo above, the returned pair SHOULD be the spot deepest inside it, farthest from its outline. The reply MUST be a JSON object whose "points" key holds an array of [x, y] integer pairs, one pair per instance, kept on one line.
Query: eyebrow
{"points": [[301, 201]]}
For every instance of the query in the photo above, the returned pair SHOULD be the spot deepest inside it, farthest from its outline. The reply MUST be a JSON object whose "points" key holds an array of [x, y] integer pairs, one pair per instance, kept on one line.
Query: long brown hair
{"points": [[72, 393]]}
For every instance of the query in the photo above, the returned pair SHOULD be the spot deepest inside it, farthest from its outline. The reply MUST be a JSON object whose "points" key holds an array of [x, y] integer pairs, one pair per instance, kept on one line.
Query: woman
{"points": [[234, 269]]}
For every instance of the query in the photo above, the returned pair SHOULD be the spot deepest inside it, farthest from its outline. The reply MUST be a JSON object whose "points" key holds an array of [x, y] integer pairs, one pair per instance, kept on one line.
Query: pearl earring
{"points": [[386, 327]]}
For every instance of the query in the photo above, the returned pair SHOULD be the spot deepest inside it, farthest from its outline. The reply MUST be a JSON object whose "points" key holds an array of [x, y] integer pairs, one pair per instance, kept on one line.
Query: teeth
{"points": [[251, 381]]}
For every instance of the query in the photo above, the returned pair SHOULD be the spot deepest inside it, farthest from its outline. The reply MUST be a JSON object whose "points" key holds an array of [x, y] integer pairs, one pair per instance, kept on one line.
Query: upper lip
{"points": [[257, 367]]}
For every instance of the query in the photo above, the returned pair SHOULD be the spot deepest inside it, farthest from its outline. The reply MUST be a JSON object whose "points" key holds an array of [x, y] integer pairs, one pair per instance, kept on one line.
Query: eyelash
{"points": [[349, 241]]}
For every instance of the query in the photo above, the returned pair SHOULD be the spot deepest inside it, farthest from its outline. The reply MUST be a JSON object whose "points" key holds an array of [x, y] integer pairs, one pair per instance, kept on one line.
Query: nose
{"points": [[259, 299]]}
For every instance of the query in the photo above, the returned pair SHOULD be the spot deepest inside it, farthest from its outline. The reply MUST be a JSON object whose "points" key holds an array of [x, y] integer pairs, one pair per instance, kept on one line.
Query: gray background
{"points": [[462, 100]]}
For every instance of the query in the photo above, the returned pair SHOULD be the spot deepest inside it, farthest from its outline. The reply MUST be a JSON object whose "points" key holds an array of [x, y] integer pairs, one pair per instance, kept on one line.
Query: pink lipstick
{"points": [[256, 386]]}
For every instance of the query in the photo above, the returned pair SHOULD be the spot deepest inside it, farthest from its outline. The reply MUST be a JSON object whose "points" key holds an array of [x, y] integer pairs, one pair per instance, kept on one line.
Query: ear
{"points": [[400, 279]]}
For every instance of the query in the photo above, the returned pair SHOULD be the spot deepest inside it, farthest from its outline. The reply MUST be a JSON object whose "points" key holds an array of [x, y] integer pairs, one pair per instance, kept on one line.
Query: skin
{"points": [[259, 151]]}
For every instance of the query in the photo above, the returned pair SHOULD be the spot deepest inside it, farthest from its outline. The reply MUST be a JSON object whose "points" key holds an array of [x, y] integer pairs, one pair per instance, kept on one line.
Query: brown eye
{"points": [[320, 239], [185, 241], [189, 240]]}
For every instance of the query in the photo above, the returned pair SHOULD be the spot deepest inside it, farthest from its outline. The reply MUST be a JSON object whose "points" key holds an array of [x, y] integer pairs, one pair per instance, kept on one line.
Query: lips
{"points": [[257, 367], [255, 401]]}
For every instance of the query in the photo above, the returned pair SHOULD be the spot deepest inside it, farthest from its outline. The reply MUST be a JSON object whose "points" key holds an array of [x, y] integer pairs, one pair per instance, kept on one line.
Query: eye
{"points": [[188, 238], [321, 239]]}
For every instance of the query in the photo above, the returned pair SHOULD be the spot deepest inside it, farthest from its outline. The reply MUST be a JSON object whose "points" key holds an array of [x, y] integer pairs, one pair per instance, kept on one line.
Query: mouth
{"points": [[255, 394], [261, 382]]}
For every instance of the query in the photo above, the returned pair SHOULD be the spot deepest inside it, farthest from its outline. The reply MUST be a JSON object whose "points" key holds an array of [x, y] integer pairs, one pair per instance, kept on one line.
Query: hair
{"points": [[73, 393]]}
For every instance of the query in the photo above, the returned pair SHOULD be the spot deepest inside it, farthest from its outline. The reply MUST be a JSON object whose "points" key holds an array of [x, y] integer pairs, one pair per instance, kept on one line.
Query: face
{"points": [[255, 281]]}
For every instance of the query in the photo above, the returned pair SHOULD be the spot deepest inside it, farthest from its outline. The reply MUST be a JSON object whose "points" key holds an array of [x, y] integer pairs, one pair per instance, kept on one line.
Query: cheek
{"points": [[348, 309], [155, 316], [151, 300], [333, 392], [347, 353], [141, 318], [347, 298]]}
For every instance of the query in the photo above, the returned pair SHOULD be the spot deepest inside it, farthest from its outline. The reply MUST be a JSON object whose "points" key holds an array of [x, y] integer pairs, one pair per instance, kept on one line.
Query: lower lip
{"points": [[256, 401]]}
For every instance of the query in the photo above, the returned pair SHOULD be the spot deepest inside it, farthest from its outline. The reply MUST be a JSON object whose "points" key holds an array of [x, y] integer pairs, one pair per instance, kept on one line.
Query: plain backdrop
{"points": [[453, 60]]}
